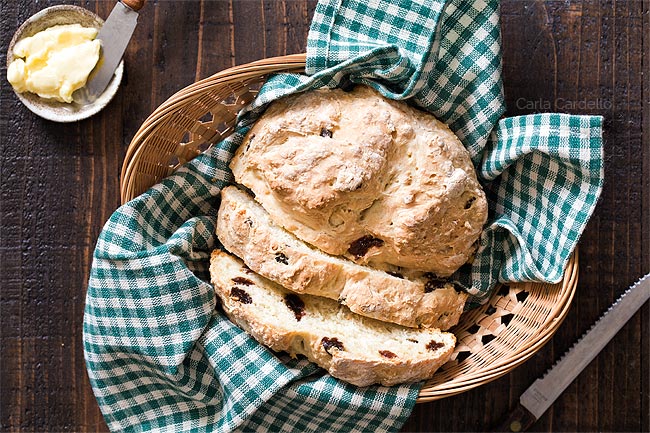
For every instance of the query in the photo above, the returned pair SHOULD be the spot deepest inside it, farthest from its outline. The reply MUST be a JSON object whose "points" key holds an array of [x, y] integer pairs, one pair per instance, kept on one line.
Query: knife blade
{"points": [[114, 35], [545, 390]]}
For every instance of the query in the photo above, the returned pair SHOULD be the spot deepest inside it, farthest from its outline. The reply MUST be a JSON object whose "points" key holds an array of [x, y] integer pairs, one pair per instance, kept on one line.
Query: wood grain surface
{"points": [[59, 184]]}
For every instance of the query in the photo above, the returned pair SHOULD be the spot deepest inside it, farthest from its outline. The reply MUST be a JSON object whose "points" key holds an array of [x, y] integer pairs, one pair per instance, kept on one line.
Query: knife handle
{"points": [[520, 419], [136, 5]]}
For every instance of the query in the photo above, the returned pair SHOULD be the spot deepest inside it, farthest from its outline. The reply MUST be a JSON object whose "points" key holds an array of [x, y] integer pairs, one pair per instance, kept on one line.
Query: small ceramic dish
{"points": [[50, 109]]}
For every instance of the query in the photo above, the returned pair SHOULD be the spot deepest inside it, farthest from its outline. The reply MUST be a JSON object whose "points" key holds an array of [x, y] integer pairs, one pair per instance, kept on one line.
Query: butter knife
{"points": [[114, 35], [544, 391]]}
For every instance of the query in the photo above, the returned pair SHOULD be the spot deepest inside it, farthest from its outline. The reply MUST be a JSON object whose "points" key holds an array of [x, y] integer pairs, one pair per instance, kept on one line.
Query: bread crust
{"points": [[246, 230], [353, 348], [336, 168]]}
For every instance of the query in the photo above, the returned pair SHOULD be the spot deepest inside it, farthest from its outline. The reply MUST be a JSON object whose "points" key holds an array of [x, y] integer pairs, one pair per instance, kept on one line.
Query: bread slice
{"points": [[359, 175], [350, 347], [246, 230]]}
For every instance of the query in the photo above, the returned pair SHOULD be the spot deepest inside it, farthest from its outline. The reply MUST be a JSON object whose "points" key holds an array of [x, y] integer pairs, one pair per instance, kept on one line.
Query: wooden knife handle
{"points": [[520, 419], [136, 5]]}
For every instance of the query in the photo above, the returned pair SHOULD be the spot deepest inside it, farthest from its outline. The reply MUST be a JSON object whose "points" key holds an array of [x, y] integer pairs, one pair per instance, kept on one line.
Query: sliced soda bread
{"points": [[353, 348], [246, 230]]}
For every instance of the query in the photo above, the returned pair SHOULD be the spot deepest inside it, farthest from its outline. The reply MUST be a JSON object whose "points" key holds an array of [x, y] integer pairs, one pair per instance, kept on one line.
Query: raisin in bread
{"points": [[246, 230], [350, 347], [356, 174]]}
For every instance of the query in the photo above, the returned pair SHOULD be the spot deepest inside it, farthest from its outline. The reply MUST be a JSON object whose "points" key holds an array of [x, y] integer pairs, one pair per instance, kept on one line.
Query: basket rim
{"points": [[290, 63], [509, 364], [296, 63]]}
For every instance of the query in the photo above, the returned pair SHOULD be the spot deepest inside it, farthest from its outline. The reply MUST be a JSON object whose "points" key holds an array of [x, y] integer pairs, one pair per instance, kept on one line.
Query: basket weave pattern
{"points": [[492, 340]]}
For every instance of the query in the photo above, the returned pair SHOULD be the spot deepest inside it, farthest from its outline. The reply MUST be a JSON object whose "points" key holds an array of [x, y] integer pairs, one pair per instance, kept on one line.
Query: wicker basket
{"points": [[492, 340]]}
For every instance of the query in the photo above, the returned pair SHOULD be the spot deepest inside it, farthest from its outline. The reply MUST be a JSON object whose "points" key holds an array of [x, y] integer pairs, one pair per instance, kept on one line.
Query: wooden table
{"points": [[60, 183]]}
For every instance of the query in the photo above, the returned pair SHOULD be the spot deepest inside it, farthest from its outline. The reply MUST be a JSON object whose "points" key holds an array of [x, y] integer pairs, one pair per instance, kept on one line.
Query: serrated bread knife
{"points": [[114, 35], [544, 391]]}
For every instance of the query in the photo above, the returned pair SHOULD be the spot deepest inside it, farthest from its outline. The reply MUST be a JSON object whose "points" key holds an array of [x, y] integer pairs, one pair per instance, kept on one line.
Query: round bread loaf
{"points": [[358, 175]]}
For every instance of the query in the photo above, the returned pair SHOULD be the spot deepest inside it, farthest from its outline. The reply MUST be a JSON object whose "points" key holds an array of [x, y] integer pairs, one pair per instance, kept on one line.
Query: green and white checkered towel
{"points": [[160, 354]]}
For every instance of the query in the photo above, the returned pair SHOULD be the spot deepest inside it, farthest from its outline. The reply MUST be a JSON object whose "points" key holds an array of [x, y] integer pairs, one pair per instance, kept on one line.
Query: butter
{"points": [[55, 62]]}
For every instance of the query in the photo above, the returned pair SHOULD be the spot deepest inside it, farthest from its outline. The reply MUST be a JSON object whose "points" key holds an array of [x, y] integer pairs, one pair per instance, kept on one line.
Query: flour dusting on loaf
{"points": [[358, 175]]}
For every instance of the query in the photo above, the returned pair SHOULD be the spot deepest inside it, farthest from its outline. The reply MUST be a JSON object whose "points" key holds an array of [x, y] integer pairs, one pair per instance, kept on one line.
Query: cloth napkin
{"points": [[160, 354]]}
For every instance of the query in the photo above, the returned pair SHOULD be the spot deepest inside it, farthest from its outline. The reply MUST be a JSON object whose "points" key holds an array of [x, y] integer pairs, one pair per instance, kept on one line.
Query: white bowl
{"points": [[50, 109]]}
